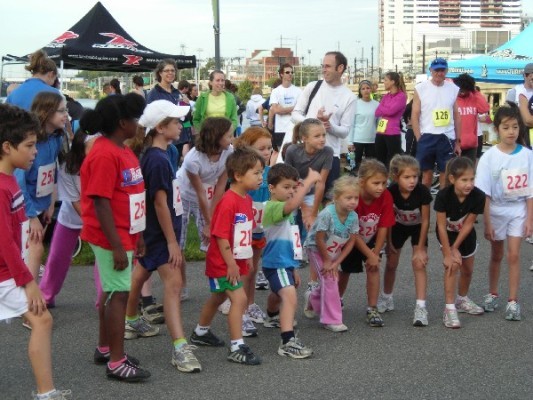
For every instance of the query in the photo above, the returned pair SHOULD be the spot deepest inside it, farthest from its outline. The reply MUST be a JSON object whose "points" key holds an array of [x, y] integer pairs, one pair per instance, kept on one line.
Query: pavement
{"points": [[488, 358]]}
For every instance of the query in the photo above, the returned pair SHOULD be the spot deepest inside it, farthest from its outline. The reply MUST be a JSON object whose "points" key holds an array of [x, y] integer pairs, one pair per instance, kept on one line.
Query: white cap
{"points": [[158, 110]]}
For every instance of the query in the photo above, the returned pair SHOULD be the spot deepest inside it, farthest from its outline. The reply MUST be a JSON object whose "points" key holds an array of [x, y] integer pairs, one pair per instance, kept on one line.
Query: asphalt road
{"points": [[488, 358]]}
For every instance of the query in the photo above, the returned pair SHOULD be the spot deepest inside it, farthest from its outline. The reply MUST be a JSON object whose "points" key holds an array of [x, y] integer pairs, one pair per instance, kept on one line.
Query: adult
{"points": [[389, 112], [186, 136], [470, 103], [115, 86], [215, 103], [43, 75], [107, 89], [333, 103], [282, 101], [165, 75], [436, 122], [138, 86], [362, 135], [193, 92], [524, 96]]}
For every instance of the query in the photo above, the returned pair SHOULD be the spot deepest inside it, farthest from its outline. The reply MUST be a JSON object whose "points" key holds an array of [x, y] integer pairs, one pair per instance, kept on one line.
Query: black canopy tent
{"points": [[98, 43]]}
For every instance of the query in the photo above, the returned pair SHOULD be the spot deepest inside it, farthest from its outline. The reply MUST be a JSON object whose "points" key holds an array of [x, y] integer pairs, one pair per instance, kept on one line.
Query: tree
{"points": [[205, 70], [245, 90]]}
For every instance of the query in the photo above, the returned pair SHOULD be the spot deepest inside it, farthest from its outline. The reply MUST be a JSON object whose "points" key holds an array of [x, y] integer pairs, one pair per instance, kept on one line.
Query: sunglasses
{"points": [[288, 72]]}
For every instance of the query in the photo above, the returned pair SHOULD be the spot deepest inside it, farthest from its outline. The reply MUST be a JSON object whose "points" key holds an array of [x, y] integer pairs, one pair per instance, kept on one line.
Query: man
{"points": [[282, 102], [333, 104], [436, 122], [524, 96]]}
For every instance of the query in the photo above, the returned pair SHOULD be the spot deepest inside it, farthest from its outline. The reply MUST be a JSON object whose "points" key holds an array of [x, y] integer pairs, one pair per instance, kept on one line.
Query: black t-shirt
{"points": [[158, 175], [420, 196]]}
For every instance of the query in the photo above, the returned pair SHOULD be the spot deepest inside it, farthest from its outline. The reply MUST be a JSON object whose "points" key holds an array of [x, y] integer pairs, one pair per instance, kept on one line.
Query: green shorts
{"points": [[111, 279], [220, 285]]}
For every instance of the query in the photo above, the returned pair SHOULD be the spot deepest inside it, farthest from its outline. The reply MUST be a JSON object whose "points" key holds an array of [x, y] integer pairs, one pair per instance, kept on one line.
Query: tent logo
{"points": [[60, 41], [484, 71], [132, 59], [119, 42]]}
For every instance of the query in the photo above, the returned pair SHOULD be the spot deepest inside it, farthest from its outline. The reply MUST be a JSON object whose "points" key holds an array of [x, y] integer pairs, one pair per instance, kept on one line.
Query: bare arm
{"points": [[196, 183], [415, 116], [424, 226], [233, 275], [524, 111], [104, 215], [165, 221], [294, 202]]}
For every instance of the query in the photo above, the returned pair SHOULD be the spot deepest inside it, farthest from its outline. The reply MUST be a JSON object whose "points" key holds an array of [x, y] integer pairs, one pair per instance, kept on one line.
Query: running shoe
{"points": [[152, 314], [308, 310], [139, 328], [374, 318], [466, 305], [224, 307], [261, 283], [208, 339], [336, 327], [451, 319], [421, 316], [272, 322], [531, 268], [55, 395], [385, 304], [244, 355], [127, 372], [512, 311], [294, 349], [248, 327], [103, 358], [490, 302], [184, 294], [256, 314], [185, 360]]}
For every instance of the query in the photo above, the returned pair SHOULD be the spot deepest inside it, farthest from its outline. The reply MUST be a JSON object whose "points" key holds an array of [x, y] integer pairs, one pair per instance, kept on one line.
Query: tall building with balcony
{"points": [[453, 29]]}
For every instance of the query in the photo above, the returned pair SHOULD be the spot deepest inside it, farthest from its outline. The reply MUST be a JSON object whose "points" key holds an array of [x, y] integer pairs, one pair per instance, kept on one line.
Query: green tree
{"points": [[208, 66], [245, 90]]}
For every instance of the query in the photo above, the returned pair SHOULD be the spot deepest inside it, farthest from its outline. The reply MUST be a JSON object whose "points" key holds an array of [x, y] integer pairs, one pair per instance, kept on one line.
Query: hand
{"points": [[458, 258], [390, 248], [489, 232], [329, 268], [140, 248], [420, 256], [529, 227], [233, 275], [36, 302], [313, 176], [372, 262], [175, 258], [48, 214], [36, 230], [322, 115], [308, 220], [457, 148], [120, 259], [206, 234]]}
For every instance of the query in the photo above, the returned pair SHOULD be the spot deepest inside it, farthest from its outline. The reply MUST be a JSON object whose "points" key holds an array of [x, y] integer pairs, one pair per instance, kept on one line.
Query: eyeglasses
{"points": [[169, 71], [288, 72], [62, 110]]}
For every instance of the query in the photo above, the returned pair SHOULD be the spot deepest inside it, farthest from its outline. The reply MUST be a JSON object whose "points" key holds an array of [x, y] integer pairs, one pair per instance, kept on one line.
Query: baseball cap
{"points": [[158, 110], [439, 63], [528, 69]]}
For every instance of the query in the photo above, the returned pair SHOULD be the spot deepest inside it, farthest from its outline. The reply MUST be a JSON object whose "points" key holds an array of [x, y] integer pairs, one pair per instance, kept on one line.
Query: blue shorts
{"points": [[156, 252], [434, 148], [278, 278]]}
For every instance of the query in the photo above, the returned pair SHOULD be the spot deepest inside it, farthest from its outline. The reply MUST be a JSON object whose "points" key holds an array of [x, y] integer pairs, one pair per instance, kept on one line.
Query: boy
{"points": [[279, 261], [19, 293], [229, 254]]}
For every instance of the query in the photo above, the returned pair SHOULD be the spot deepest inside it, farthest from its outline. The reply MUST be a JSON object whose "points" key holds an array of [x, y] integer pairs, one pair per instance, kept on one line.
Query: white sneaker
{"points": [[224, 307], [466, 305], [385, 304], [256, 314], [308, 311], [336, 327]]}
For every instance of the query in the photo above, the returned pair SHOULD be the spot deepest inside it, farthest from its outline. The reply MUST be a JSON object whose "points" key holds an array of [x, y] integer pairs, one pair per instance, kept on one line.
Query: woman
{"points": [[44, 74], [363, 131], [215, 103], [389, 112], [165, 75], [138, 83], [115, 86]]}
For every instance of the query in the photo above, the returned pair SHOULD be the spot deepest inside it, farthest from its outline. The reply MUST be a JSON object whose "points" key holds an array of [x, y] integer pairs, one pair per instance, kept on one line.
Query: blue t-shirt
{"points": [[278, 252], [23, 95], [328, 221], [158, 175], [260, 197]]}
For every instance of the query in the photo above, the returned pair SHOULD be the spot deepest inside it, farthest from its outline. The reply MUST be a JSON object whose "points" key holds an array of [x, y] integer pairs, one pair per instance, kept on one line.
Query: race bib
{"points": [[296, 242], [209, 192], [515, 182], [441, 117], [242, 240], [368, 228], [455, 226], [137, 212], [25, 240], [176, 196], [45, 179], [334, 246], [382, 125], [408, 217], [258, 210]]}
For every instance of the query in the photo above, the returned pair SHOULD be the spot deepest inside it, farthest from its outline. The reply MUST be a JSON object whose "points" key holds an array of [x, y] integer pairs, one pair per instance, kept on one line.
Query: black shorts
{"points": [[156, 252], [400, 233], [468, 247], [353, 263], [479, 146], [277, 140]]}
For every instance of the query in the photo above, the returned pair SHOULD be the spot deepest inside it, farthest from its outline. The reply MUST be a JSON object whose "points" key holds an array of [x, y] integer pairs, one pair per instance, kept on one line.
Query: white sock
{"points": [[201, 330], [462, 297], [45, 395], [450, 306], [236, 343], [421, 303], [386, 296]]}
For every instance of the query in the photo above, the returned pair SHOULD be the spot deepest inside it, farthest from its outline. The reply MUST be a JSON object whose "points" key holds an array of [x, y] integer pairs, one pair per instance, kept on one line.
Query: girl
{"points": [[329, 241], [504, 174], [375, 217], [363, 131], [457, 207], [37, 183], [161, 237], [202, 179], [113, 213], [411, 209], [389, 112]]}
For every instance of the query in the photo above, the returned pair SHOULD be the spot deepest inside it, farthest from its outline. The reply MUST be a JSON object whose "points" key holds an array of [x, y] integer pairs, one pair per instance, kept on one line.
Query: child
{"points": [[329, 241], [504, 174], [411, 209], [19, 293], [229, 254], [457, 207], [279, 257], [161, 237], [202, 179], [113, 213], [37, 183], [376, 216], [254, 109]]}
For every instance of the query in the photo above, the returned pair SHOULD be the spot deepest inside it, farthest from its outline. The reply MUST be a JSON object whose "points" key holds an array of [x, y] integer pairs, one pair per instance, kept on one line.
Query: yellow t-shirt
{"points": [[216, 105]]}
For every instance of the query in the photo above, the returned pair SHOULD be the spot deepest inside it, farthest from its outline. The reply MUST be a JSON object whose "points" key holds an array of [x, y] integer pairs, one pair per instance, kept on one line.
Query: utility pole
{"points": [[216, 28], [372, 62]]}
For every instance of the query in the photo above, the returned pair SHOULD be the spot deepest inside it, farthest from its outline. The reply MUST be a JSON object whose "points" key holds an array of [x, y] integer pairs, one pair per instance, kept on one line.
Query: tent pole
{"points": [[61, 66]]}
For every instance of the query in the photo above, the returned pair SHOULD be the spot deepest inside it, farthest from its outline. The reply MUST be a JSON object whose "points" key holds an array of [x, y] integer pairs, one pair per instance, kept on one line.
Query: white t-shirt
{"points": [[68, 191], [199, 164], [339, 101], [436, 101], [285, 97], [364, 124], [522, 90]]}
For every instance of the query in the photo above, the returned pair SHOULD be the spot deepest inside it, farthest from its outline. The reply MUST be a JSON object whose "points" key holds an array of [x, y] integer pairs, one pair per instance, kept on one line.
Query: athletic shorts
{"points": [[479, 146], [111, 279], [156, 253], [469, 246], [259, 243], [508, 221], [432, 149], [13, 300], [277, 140], [278, 278], [220, 285], [353, 263], [400, 233], [471, 154]]}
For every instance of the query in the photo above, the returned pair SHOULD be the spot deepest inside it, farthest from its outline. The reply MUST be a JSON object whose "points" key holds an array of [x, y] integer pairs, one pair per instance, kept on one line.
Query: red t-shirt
{"points": [[232, 209], [12, 215], [114, 173], [469, 108], [378, 214]]}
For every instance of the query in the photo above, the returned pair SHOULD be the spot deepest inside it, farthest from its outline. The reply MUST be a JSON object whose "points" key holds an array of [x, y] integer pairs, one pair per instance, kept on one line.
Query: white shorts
{"points": [[13, 300], [508, 221]]}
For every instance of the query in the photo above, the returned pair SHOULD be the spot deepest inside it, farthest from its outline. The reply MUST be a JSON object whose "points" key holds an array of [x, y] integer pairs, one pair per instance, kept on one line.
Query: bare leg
{"points": [[210, 308], [421, 279], [465, 276], [393, 258], [513, 259], [40, 350], [496, 257], [372, 287], [238, 304], [450, 284], [139, 279], [288, 308], [343, 282], [35, 256], [115, 313], [171, 278]]}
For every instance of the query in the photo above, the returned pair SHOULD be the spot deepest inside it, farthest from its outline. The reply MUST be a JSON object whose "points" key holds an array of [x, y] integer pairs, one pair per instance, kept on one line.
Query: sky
{"points": [[166, 25]]}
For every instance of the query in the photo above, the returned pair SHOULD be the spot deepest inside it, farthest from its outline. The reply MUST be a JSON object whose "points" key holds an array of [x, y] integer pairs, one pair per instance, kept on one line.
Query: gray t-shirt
{"points": [[297, 157]]}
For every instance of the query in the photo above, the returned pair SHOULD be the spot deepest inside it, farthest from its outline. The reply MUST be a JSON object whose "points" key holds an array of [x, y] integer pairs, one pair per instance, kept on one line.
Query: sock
{"points": [[201, 330], [272, 314], [45, 395], [312, 284], [133, 318], [147, 301], [450, 306], [495, 294], [421, 303], [179, 343], [461, 297], [103, 349], [113, 365], [236, 343], [286, 336], [369, 308], [386, 295], [515, 300]]}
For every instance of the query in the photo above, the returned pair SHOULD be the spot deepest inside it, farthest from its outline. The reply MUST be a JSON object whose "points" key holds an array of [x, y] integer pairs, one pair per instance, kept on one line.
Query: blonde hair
{"points": [[344, 184], [370, 167], [400, 163]]}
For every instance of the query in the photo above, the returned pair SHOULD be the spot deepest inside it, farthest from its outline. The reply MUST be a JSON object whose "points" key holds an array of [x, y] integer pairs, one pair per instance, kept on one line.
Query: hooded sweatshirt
{"points": [[251, 109]]}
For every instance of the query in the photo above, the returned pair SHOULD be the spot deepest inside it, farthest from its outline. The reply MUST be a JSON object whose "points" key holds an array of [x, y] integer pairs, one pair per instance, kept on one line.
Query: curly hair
{"points": [[213, 129], [16, 125]]}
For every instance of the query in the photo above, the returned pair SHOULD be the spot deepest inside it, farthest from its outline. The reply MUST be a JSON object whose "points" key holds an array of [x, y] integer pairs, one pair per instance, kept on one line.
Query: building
{"points": [[452, 29], [264, 64]]}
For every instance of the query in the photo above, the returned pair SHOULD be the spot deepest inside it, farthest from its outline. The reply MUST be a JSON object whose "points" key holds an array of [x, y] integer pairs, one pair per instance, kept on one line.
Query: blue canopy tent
{"points": [[502, 65]]}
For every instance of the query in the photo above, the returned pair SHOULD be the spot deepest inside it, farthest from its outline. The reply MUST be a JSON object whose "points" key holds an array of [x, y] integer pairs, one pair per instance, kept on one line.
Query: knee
{"points": [[43, 322], [419, 266], [496, 255], [513, 258]]}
